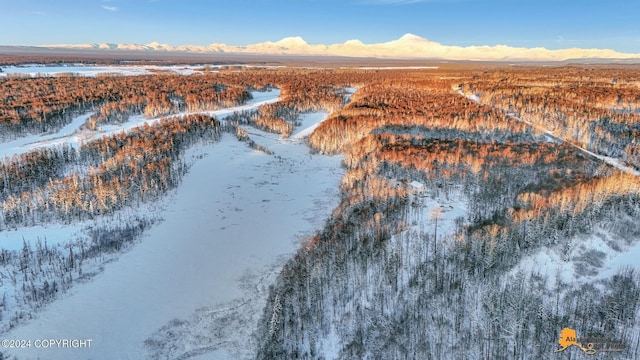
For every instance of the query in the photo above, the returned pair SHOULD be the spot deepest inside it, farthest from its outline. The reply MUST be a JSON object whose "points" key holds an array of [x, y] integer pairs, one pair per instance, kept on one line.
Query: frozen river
{"points": [[237, 212]]}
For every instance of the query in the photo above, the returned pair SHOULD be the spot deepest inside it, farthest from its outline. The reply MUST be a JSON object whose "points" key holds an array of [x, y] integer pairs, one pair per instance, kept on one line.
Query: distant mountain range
{"points": [[409, 46]]}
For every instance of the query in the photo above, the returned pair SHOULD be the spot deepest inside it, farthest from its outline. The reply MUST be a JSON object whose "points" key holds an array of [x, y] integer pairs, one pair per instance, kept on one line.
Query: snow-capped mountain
{"points": [[409, 46]]}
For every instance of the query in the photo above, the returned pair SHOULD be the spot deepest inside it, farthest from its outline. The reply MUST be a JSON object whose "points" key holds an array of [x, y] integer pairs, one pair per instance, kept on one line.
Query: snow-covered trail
{"points": [[609, 160], [25, 144], [73, 136], [236, 210]]}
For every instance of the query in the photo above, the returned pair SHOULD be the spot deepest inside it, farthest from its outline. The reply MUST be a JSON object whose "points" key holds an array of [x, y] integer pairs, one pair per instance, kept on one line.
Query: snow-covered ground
{"points": [[228, 227], [27, 143], [40, 70], [581, 260], [429, 215], [90, 70], [309, 123], [394, 67], [55, 233]]}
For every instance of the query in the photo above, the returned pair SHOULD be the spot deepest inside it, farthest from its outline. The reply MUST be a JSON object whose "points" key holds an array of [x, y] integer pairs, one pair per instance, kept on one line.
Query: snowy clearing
{"points": [[394, 67], [41, 70], [581, 260], [88, 70], [304, 130]]}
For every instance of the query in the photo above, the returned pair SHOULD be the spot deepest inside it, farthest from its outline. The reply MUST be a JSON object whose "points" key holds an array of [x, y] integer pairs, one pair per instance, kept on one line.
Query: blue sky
{"points": [[549, 23]]}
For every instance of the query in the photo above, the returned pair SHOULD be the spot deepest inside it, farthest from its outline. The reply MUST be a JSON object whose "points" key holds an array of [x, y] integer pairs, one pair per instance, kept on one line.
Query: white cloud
{"points": [[110, 8]]}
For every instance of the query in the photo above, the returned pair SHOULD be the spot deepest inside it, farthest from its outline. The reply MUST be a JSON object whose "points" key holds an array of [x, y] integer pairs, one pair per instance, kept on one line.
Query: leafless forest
{"points": [[540, 158]]}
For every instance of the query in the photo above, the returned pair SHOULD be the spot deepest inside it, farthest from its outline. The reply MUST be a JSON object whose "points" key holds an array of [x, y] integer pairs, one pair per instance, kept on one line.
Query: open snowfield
{"points": [[89, 70], [40, 70], [232, 222], [584, 259]]}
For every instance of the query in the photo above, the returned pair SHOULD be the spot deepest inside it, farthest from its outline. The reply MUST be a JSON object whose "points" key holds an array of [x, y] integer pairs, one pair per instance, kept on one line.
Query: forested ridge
{"points": [[390, 277], [398, 271]]}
